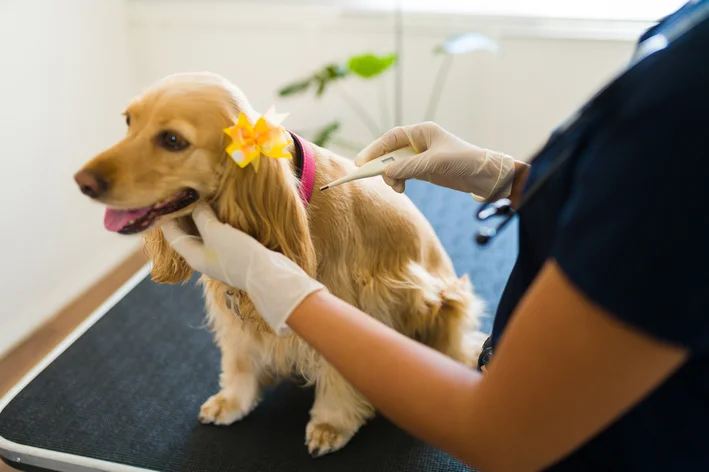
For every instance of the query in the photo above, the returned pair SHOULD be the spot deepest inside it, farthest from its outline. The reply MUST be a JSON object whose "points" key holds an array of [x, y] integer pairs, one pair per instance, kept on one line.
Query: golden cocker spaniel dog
{"points": [[369, 245]]}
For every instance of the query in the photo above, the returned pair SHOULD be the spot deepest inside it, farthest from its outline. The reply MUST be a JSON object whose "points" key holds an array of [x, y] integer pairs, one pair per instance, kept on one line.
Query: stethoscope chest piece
{"points": [[501, 207]]}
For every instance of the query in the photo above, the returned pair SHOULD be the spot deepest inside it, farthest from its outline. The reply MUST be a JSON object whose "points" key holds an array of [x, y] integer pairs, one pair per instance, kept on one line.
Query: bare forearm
{"points": [[421, 390], [545, 367]]}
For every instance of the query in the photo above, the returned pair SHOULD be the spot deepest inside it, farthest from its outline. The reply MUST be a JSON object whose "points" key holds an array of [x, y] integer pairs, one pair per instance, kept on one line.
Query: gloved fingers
{"points": [[389, 181], [204, 216], [415, 167], [392, 140], [219, 235], [397, 185], [172, 231], [190, 247]]}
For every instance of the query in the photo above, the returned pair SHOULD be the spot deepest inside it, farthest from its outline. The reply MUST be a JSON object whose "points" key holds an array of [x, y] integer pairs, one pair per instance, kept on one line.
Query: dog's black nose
{"points": [[91, 183]]}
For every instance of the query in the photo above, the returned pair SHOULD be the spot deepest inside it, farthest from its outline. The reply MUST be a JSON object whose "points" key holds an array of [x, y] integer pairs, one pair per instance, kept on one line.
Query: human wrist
{"points": [[277, 285], [278, 315], [302, 312], [521, 170], [493, 177]]}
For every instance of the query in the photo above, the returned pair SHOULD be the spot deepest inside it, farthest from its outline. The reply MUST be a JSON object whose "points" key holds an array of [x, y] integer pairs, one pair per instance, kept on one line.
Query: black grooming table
{"points": [[123, 392]]}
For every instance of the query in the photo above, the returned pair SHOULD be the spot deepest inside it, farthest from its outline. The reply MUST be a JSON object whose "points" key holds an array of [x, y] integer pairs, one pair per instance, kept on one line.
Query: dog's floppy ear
{"points": [[266, 204], [168, 266]]}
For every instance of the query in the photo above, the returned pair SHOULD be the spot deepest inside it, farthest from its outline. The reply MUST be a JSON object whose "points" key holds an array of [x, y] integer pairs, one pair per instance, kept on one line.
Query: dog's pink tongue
{"points": [[116, 220]]}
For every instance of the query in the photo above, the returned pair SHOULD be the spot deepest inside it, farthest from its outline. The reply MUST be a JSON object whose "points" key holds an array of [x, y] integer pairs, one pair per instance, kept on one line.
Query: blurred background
{"points": [[500, 73]]}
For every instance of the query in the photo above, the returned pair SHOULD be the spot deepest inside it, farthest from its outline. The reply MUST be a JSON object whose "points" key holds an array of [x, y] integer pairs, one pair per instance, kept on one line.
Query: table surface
{"points": [[128, 390]]}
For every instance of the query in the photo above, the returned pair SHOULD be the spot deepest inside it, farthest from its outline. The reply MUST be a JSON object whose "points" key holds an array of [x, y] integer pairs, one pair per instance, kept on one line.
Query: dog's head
{"points": [[174, 155]]}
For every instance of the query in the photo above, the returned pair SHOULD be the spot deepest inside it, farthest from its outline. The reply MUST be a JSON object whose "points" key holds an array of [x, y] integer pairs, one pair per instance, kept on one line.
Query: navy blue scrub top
{"points": [[626, 220]]}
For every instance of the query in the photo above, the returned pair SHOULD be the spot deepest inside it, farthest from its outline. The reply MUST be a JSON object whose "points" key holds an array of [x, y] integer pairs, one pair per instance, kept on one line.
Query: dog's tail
{"points": [[442, 312], [456, 328]]}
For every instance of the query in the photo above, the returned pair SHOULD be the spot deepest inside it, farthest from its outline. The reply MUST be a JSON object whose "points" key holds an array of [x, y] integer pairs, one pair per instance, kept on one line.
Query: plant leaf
{"points": [[321, 79], [335, 71], [322, 83], [466, 44], [324, 134], [295, 88], [369, 65], [328, 74]]}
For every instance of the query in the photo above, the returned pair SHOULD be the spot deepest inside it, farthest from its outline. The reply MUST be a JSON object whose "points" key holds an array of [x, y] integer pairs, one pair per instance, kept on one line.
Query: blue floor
{"points": [[452, 215]]}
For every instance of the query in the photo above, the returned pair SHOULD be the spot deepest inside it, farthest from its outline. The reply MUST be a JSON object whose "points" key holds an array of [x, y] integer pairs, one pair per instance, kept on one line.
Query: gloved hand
{"points": [[444, 160], [275, 284]]}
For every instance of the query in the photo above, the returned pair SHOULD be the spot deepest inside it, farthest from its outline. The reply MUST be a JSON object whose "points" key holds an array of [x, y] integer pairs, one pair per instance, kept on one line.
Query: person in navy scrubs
{"points": [[601, 339]]}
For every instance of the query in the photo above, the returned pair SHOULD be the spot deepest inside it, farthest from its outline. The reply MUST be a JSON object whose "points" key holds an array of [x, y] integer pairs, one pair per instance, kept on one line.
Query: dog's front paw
{"points": [[223, 409], [322, 438]]}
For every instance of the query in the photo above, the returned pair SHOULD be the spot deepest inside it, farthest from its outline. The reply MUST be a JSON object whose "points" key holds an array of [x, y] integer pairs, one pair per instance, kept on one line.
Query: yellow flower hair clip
{"points": [[266, 137]]}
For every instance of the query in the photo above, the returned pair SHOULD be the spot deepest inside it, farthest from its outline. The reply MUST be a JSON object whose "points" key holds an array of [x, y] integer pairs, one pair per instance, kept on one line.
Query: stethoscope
{"points": [[496, 206]]}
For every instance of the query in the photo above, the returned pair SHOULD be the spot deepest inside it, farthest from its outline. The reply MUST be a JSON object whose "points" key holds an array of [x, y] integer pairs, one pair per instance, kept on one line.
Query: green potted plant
{"points": [[370, 67]]}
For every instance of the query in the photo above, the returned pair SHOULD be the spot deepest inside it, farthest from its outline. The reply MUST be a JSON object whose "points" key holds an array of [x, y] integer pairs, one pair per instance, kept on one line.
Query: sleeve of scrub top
{"points": [[633, 236]]}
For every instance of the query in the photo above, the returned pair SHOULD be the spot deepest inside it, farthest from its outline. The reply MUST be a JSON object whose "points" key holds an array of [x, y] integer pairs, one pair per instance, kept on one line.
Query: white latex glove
{"points": [[443, 159], [275, 284]]}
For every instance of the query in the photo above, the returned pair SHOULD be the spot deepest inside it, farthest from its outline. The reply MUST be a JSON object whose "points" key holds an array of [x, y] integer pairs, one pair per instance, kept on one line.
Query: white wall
{"points": [[69, 67], [511, 101], [63, 84]]}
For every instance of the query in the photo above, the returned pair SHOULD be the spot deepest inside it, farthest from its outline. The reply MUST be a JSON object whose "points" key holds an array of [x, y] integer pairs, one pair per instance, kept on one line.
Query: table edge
{"points": [[60, 461]]}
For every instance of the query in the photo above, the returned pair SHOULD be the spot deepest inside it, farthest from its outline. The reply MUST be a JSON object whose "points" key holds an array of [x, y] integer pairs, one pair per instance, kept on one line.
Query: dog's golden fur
{"points": [[369, 245]]}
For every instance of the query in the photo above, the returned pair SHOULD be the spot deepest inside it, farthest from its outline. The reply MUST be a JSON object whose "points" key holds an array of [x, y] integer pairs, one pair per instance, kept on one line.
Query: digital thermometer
{"points": [[372, 168]]}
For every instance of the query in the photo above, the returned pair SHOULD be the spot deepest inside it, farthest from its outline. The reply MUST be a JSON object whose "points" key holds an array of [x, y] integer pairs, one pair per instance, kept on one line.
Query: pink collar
{"points": [[304, 167]]}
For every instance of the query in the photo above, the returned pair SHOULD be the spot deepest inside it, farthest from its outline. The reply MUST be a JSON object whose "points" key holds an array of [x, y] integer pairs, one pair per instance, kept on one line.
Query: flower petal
{"points": [[238, 156]]}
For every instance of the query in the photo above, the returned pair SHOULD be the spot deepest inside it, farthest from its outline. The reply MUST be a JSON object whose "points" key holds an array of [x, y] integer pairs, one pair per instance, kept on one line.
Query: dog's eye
{"points": [[172, 141], [128, 120]]}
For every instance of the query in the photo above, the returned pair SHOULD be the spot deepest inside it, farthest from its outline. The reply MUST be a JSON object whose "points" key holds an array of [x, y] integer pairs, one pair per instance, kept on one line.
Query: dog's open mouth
{"points": [[140, 219]]}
